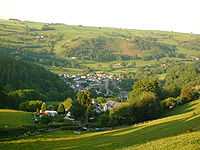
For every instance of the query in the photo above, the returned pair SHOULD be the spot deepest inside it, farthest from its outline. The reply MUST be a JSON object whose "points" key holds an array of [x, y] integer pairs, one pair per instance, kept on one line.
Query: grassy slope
{"points": [[180, 130], [13, 118], [18, 34], [15, 34]]}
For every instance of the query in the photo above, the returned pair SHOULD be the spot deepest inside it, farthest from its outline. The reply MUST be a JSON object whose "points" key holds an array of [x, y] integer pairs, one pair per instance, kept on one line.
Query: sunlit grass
{"points": [[178, 130], [13, 118]]}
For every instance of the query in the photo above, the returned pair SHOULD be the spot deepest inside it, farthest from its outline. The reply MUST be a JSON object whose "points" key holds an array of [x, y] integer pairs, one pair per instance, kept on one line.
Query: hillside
{"points": [[56, 44], [178, 130], [21, 75]]}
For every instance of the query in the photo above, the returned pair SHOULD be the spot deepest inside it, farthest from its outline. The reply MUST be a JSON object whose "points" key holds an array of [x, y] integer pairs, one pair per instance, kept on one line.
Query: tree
{"points": [[84, 99], [31, 106], [77, 111], [168, 103], [122, 115], [178, 77], [27, 81], [7, 101], [101, 100], [190, 92], [67, 104], [43, 107], [145, 85], [61, 109], [146, 107]]}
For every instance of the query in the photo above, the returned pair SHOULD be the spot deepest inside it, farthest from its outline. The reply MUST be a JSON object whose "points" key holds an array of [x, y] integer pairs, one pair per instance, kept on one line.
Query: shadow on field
{"points": [[114, 139], [181, 109]]}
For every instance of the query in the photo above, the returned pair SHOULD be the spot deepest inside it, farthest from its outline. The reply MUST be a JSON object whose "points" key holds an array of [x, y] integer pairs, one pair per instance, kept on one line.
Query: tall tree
{"points": [[43, 107], [67, 104], [84, 99], [61, 109]]}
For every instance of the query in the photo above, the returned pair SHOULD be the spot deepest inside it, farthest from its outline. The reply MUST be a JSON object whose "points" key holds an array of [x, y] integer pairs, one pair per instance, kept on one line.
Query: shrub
{"points": [[43, 107], [104, 120], [122, 115], [61, 109], [146, 107], [189, 93], [45, 119], [179, 100], [31, 106], [10, 132], [169, 103]]}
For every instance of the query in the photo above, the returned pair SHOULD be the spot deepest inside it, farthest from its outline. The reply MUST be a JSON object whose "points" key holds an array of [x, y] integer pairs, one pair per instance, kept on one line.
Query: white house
{"points": [[51, 113]]}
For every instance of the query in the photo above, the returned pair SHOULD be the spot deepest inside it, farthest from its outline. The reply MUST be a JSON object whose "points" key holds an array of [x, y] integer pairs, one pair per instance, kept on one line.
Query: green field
{"points": [[12, 118], [55, 46], [179, 129]]}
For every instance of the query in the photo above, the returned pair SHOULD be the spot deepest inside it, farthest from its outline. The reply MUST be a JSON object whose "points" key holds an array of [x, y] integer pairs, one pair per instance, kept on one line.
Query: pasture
{"points": [[13, 118], [179, 129]]}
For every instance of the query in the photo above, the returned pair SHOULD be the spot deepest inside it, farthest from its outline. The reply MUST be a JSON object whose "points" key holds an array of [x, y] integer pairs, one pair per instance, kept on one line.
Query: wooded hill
{"points": [[27, 80]]}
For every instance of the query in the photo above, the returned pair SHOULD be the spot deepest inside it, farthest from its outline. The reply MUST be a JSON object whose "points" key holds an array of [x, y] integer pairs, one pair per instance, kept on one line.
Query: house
{"points": [[123, 95], [68, 117], [50, 113], [98, 108], [110, 105]]}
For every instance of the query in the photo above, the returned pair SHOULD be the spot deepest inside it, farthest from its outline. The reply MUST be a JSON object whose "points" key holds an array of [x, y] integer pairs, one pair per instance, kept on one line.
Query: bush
{"points": [[104, 120], [45, 119], [146, 107], [179, 100], [10, 132], [58, 119], [70, 127], [61, 109], [31, 106], [190, 93], [169, 103], [122, 115]]}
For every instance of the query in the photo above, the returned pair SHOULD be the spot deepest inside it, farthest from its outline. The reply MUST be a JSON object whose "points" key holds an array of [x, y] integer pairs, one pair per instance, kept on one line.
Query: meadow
{"points": [[13, 118], [178, 129]]}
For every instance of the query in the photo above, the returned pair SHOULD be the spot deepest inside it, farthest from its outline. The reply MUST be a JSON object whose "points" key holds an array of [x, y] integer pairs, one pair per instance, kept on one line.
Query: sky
{"points": [[167, 15]]}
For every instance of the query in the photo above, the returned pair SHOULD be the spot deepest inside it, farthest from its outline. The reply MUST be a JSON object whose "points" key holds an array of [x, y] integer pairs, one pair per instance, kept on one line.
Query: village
{"points": [[100, 84]]}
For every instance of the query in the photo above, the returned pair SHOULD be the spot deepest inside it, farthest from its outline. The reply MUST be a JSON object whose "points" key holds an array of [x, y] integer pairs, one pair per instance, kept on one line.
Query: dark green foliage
{"points": [[7, 101], [31, 106], [26, 94], [100, 100], [190, 92], [179, 76], [126, 84], [85, 101], [78, 111], [145, 85], [61, 109], [96, 49], [147, 107], [14, 132], [168, 103], [122, 115], [104, 120], [16, 74], [84, 98], [45, 119], [43, 107], [152, 44]]}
